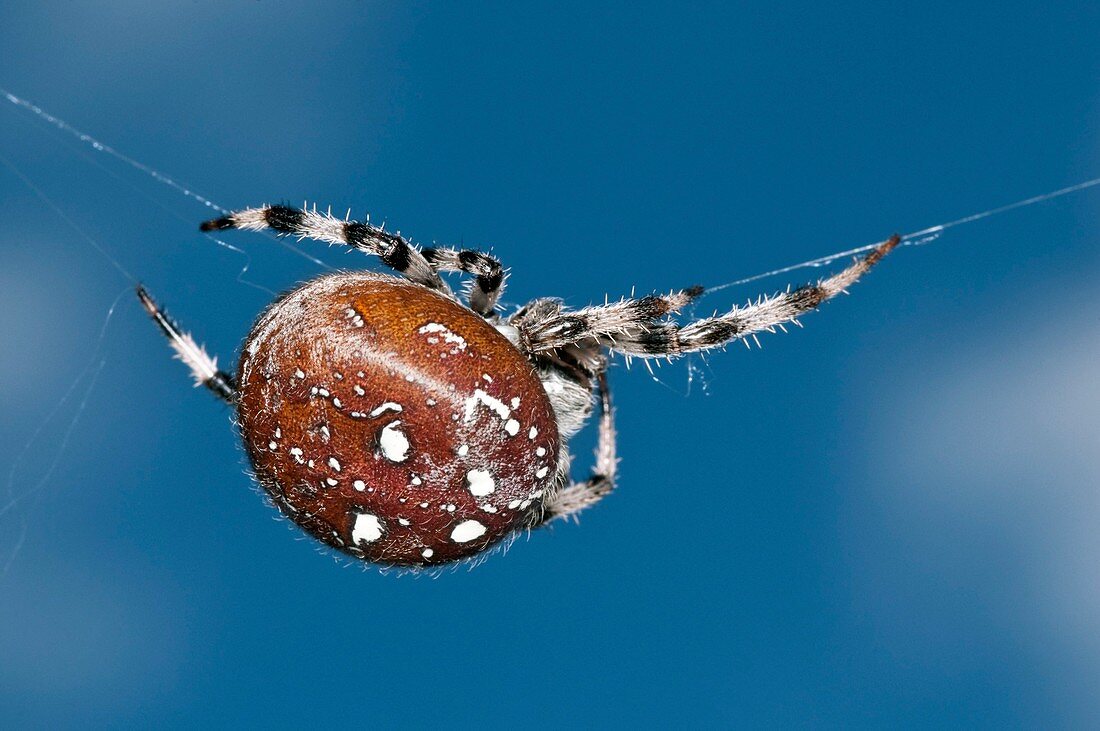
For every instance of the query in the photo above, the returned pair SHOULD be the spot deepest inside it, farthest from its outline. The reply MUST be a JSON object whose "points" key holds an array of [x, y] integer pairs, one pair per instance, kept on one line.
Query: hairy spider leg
{"points": [[487, 270], [545, 325], [611, 325], [422, 267], [204, 368], [392, 249], [574, 498]]}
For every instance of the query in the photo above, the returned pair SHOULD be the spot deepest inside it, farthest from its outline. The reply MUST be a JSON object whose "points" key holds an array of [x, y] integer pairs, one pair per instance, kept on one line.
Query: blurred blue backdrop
{"points": [[889, 517]]}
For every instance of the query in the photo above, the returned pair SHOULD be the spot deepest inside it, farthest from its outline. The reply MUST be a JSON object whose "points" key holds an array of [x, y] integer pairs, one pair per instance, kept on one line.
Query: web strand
{"points": [[101, 147], [65, 217], [152, 172], [916, 238], [17, 505]]}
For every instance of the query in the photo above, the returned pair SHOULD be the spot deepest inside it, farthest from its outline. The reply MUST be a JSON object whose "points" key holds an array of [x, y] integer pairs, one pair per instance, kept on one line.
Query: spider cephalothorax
{"points": [[397, 425]]}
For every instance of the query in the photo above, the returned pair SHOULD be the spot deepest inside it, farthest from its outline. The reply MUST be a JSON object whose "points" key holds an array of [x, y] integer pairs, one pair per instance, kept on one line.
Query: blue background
{"points": [[886, 518]]}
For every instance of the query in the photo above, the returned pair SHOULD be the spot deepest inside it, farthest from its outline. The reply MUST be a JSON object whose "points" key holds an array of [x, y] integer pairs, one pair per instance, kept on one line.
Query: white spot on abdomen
{"points": [[444, 332], [467, 531], [388, 406], [499, 408], [367, 529], [495, 404], [394, 443], [480, 482]]}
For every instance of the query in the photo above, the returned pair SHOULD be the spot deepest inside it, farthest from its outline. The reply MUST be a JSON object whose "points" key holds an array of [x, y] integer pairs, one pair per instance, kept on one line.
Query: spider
{"points": [[401, 427]]}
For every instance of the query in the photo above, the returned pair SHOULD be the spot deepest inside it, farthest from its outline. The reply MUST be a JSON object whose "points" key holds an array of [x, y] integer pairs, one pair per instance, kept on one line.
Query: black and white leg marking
{"points": [[576, 497], [204, 368], [766, 313], [648, 338], [544, 325], [489, 282], [392, 249]]}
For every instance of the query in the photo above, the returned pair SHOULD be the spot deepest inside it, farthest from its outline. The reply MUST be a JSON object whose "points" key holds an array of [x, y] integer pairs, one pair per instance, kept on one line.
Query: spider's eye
{"points": [[393, 424]]}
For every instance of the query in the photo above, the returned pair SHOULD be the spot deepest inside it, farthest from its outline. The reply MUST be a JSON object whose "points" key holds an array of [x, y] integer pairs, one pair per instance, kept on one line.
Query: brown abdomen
{"points": [[392, 423]]}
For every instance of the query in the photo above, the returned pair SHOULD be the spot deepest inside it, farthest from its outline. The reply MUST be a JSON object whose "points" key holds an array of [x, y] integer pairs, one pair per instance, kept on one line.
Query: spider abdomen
{"points": [[393, 424]]}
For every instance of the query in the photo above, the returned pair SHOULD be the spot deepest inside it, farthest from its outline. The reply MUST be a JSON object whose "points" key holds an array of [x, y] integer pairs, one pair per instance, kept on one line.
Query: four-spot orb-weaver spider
{"points": [[401, 427]]}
